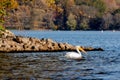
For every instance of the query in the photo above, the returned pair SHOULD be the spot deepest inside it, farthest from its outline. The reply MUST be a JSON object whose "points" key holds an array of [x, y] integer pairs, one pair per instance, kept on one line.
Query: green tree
{"points": [[84, 25], [100, 5], [71, 23]]}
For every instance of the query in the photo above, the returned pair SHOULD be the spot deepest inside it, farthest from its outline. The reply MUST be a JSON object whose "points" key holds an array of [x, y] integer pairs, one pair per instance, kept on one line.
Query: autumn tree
{"points": [[52, 4], [98, 4], [61, 19], [6, 5]]}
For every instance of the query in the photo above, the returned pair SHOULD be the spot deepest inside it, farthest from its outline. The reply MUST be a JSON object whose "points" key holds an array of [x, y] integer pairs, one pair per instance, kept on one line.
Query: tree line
{"points": [[87, 15], [64, 14]]}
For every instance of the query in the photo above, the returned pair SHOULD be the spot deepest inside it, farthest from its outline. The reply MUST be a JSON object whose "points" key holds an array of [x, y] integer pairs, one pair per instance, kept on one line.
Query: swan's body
{"points": [[75, 55]]}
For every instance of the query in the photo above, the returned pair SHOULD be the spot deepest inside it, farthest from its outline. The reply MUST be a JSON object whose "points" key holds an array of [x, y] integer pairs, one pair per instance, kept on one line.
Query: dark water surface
{"points": [[97, 65]]}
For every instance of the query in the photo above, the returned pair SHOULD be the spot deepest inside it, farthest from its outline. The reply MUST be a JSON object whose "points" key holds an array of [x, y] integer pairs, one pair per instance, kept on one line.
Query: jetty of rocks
{"points": [[12, 43]]}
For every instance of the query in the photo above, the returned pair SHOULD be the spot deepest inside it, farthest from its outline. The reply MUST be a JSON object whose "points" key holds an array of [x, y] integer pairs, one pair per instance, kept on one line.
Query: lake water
{"points": [[97, 65]]}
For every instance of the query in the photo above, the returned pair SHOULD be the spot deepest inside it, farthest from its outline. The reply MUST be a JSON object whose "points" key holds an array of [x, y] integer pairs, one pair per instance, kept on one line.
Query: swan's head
{"points": [[81, 49]]}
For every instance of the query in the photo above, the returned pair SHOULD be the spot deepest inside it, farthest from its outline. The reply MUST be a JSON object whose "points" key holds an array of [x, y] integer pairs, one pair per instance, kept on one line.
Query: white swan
{"points": [[75, 55]]}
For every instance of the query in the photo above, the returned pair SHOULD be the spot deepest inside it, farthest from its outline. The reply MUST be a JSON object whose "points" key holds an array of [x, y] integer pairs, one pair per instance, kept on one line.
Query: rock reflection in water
{"points": [[29, 65], [13, 68]]}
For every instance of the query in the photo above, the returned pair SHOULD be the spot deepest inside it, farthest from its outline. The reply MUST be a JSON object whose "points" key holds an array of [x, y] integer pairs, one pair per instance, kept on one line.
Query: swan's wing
{"points": [[71, 52]]}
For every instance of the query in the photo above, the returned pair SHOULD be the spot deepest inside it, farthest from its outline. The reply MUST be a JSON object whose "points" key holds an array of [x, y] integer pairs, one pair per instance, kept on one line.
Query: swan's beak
{"points": [[81, 49]]}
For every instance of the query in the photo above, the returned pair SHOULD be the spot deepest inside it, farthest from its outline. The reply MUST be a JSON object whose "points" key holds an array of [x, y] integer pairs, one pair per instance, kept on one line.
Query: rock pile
{"points": [[22, 44], [11, 43]]}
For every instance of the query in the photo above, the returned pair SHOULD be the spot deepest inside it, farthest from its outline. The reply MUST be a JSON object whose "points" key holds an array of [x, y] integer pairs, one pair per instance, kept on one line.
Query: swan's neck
{"points": [[78, 51]]}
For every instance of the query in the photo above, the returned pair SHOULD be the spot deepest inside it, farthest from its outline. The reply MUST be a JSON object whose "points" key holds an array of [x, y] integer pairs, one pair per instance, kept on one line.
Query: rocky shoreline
{"points": [[12, 43]]}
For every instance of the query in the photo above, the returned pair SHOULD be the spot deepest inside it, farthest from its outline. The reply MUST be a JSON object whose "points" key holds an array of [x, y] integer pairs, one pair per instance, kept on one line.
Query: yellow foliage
{"points": [[50, 2], [8, 4], [4, 6]]}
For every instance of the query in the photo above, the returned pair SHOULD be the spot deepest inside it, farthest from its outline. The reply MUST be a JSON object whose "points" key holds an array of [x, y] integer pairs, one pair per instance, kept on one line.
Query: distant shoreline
{"points": [[61, 30]]}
